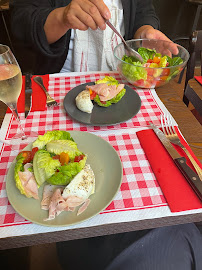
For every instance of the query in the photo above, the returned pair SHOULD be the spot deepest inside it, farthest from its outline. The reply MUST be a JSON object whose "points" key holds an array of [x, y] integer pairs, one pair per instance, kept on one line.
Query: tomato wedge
{"points": [[34, 150], [27, 156], [78, 158], [93, 94]]}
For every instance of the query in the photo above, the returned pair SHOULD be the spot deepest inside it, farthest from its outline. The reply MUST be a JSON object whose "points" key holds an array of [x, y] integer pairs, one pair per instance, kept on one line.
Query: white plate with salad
{"points": [[49, 166], [117, 109]]}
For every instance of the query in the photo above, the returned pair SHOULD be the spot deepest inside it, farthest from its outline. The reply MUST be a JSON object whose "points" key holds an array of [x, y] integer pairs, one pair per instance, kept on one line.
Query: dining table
{"points": [[152, 212]]}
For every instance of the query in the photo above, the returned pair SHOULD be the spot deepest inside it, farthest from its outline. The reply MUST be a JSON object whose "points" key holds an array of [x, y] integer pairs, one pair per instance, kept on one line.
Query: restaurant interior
{"points": [[177, 19]]}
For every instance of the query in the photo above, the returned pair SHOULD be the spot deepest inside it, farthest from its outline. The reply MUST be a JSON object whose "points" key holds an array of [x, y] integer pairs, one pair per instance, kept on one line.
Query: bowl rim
{"points": [[142, 39]]}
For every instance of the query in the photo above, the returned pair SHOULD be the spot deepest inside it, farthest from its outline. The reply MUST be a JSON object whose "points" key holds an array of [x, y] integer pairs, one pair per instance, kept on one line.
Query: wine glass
{"points": [[10, 88]]}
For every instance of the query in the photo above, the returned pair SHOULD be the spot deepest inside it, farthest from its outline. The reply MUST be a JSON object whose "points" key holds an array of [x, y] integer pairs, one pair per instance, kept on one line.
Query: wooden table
{"points": [[192, 131]]}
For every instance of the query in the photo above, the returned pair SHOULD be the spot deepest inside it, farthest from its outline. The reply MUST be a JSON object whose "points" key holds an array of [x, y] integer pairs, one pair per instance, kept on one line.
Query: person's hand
{"points": [[149, 32], [84, 14]]}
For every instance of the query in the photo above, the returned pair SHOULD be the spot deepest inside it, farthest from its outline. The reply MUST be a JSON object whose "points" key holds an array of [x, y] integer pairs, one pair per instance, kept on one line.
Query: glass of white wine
{"points": [[10, 88]]}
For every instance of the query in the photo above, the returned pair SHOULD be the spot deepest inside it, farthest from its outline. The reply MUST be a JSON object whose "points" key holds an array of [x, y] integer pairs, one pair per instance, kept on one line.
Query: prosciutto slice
{"points": [[105, 91], [28, 182]]}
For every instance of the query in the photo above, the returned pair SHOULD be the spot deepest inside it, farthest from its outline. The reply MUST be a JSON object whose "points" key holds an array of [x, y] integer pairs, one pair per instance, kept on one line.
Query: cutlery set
{"points": [[28, 93], [168, 136]]}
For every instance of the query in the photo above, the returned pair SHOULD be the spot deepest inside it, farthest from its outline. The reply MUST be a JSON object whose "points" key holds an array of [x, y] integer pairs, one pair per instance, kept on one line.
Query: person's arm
{"points": [[145, 16], [27, 23]]}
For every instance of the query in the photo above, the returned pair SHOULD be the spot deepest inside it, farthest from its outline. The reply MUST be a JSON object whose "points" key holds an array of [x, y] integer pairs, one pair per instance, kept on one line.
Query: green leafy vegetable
{"points": [[146, 53], [44, 166], [66, 173], [19, 167], [42, 140], [108, 80], [67, 146]]}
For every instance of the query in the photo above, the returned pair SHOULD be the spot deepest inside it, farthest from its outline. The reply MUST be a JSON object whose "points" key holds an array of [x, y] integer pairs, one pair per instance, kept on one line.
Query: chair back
{"points": [[195, 49]]}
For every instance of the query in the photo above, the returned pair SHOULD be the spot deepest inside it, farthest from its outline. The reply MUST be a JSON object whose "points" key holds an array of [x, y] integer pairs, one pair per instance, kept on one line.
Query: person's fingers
{"points": [[82, 14], [102, 8], [166, 46]]}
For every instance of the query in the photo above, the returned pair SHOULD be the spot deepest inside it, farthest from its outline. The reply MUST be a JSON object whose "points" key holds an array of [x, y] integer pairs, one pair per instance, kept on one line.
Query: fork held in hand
{"points": [[169, 131], [49, 101]]}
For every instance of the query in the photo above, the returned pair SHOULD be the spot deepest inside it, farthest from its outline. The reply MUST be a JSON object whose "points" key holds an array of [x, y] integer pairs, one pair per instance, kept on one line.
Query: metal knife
{"points": [[192, 178], [28, 94]]}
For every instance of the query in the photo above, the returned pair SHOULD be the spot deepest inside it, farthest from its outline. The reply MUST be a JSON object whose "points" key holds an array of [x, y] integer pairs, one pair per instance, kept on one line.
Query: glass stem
{"points": [[13, 107]]}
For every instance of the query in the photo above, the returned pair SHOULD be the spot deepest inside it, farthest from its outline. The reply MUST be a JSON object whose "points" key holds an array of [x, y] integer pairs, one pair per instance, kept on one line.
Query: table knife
{"points": [[28, 94], [192, 178]]}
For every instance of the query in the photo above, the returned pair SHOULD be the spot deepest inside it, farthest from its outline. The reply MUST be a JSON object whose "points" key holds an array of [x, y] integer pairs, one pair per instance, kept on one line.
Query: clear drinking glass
{"points": [[10, 88]]}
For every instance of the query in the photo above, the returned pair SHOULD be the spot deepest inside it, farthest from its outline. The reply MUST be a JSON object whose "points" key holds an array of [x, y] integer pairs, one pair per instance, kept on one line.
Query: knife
{"points": [[192, 178], [28, 94]]}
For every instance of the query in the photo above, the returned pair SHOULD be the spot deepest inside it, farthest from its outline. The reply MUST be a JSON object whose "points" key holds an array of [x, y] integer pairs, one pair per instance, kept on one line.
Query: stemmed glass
{"points": [[10, 88]]}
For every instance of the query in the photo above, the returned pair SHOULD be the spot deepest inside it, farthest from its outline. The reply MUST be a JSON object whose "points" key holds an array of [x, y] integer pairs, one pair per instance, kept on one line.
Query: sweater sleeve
{"points": [[145, 15], [27, 22]]}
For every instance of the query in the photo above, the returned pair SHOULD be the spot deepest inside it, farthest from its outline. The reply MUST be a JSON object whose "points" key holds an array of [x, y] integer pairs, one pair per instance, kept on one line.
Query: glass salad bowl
{"points": [[159, 64]]}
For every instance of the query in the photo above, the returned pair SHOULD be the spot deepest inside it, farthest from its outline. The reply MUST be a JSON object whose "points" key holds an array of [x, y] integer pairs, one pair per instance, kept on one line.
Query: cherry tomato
{"points": [[164, 78], [56, 157], [150, 71], [139, 82], [64, 158], [27, 156], [78, 158], [93, 95], [156, 59], [34, 150], [165, 72], [149, 61], [103, 102]]}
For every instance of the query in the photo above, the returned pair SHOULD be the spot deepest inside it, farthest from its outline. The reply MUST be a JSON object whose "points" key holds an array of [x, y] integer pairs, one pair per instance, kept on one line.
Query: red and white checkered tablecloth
{"points": [[139, 189]]}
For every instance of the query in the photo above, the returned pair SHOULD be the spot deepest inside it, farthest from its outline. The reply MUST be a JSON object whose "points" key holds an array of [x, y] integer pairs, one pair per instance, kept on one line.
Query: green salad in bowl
{"points": [[159, 65]]}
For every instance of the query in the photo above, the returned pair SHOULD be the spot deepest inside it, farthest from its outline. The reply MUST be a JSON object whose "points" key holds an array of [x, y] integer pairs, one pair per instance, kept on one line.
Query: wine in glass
{"points": [[10, 88]]}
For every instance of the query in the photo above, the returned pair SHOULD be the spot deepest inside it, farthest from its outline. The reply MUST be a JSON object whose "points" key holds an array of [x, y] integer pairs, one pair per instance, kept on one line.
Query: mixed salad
{"points": [[54, 158], [154, 71]]}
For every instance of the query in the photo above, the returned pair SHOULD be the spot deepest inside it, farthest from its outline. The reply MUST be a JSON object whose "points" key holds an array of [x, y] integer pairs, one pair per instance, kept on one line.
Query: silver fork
{"points": [[169, 131], [49, 100]]}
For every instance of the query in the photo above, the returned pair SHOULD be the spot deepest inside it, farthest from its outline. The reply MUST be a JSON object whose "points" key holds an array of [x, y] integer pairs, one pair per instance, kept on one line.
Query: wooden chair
{"points": [[195, 49]]}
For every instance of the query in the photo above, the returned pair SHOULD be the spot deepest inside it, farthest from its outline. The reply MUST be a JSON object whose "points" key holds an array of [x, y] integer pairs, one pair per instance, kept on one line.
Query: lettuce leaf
{"points": [[44, 166], [42, 140], [67, 172], [133, 72], [19, 167], [108, 80], [67, 146], [146, 53]]}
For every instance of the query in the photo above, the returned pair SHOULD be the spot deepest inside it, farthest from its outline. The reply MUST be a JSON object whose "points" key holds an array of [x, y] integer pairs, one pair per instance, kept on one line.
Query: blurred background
{"points": [[176, 16]]}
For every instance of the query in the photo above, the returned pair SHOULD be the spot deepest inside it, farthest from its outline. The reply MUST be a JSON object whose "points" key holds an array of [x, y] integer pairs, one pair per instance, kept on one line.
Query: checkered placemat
{"points": [[139, 188]]}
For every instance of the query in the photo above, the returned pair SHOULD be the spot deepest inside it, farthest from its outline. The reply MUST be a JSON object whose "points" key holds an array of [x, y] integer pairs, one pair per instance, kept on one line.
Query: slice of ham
{"points": [[57, 204], [83, 207], [105, 91], [47, 194], [29, 184]]}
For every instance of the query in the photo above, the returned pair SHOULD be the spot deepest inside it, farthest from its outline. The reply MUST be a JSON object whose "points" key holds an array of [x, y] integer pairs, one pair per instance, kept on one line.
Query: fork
{"points": [[49, 100], [169, 131]]}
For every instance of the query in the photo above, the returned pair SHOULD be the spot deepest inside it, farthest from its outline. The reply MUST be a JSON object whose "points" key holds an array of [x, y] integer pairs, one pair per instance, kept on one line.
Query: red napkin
{"points": [[199, 79], [177, 191], [38, 96]]}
